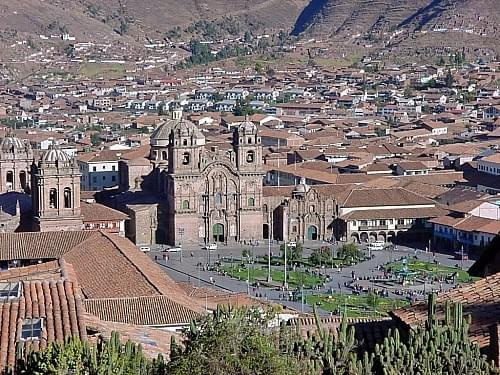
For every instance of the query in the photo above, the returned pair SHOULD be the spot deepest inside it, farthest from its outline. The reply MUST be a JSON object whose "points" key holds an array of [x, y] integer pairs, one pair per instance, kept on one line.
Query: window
{"points": [[312, 208], [218, 198], [391, 221], [186, 158], [354, 223], [104, 178], [113, 178], [94, 179], [249, 141], [184, 142], [67, 198], [94, 169], [294, 228], [251, 202], [53, 198], [382, 222], [250, 157], [113, 168], [364, 223], [32, 329], [10, 290], [185, 205], [264, 208], [401, 221], [103, 167], [164, 155], [10, 178]]}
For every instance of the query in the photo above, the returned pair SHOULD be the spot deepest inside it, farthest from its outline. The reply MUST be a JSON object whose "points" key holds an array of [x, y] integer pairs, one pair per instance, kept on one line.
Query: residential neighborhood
{"points": [[140, 204]]}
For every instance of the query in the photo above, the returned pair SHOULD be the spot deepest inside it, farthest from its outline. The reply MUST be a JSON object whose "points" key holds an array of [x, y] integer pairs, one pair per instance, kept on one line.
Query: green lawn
{"points": [[259, 273], [431, 269], [354, 305]]}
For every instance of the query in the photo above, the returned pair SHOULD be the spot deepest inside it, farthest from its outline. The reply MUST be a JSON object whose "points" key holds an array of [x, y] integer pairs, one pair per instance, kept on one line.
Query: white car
{"points": [[173, 249], [377, 245], [145, 248], [292, 244], [211, 246]]}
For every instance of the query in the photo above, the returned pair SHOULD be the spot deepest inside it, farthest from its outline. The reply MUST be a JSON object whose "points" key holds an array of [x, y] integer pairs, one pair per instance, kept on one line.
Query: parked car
{"points": [[292, 244], [377, 245], [211, 246], [145, 248], [173, 249]]}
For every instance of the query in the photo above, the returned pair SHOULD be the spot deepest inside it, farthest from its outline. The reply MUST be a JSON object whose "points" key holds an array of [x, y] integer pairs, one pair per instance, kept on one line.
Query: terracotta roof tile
{"points": [[480, 299], [155, 310], [57, 302], [39, 245]]}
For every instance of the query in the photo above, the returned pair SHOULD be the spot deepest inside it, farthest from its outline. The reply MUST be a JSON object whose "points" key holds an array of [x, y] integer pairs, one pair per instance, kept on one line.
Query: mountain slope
{"points": [[107, 19]]}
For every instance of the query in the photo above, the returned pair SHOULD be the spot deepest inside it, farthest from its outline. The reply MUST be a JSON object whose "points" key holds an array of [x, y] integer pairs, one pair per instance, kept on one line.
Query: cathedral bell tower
{"points": [[55, 182], [248, 148], [185, 145]]}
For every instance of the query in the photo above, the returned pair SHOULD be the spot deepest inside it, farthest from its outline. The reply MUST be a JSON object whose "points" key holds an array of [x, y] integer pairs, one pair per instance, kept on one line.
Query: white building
{"points": [[99, 170], [490, 164]]}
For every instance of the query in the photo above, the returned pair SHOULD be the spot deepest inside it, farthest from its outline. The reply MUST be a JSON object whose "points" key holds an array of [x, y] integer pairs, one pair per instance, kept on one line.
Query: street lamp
{"points": [[284, 281], [269, 237]]}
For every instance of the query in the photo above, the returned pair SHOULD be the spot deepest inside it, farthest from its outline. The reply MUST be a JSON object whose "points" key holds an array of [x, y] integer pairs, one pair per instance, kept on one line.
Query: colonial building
{"points": [[346, 213], [203, 194], [302, 212]]}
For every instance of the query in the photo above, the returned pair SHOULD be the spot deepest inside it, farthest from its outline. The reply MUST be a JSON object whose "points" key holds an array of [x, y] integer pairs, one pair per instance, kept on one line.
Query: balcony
{"points": [[404, 226], [372, 227]]}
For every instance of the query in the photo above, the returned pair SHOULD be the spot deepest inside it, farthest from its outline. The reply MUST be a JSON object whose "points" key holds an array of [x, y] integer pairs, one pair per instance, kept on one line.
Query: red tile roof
{"points": [[480, 300]]}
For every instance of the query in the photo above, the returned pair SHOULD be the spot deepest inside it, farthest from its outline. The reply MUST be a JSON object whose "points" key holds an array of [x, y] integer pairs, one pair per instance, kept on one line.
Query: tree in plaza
{"points": [[293, 253], [322, 255], [247, 254], [350, 251]]}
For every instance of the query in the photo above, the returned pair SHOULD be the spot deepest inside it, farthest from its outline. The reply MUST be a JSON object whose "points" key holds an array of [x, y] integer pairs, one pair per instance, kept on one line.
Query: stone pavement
{"points": [[191, 267]]}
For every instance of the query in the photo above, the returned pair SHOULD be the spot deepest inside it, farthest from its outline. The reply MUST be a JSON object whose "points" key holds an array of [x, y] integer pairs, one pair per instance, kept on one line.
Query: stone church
{"points": [[53, 183], [204, 193]]}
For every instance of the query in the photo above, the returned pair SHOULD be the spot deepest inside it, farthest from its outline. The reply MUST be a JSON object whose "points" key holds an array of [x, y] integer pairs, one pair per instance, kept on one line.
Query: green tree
{"points": [[232, 342], [95, 139], [247, 254], [322, 255], [293, 253], [350, 252]]}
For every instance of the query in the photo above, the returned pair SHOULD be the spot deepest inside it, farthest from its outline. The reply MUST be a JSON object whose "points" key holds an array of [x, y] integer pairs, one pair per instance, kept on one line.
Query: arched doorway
{"points": [[218, 232], [312, 233], [363, 237], [265, 231]]}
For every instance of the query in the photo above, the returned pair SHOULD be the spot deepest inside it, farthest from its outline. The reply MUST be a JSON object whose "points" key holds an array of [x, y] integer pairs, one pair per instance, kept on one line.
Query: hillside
{"points": [[403, 26], [137, 19]]}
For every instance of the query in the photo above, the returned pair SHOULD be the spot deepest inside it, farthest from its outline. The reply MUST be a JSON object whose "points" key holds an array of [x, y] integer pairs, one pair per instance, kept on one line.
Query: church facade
{"points": [[206, 193]]}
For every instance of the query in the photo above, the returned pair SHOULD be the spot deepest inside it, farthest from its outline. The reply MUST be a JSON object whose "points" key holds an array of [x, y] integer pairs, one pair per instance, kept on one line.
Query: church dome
{"points": [[302, 187], [247, 127], [54, 154], [11, 144]]}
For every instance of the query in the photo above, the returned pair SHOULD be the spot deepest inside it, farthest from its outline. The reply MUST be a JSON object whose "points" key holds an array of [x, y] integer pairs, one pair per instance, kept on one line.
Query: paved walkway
{"points": [[186, 267]]}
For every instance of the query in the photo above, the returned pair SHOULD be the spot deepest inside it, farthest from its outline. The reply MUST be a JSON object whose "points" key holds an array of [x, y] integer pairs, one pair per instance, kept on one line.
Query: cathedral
{"points": [[205, 194]]}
